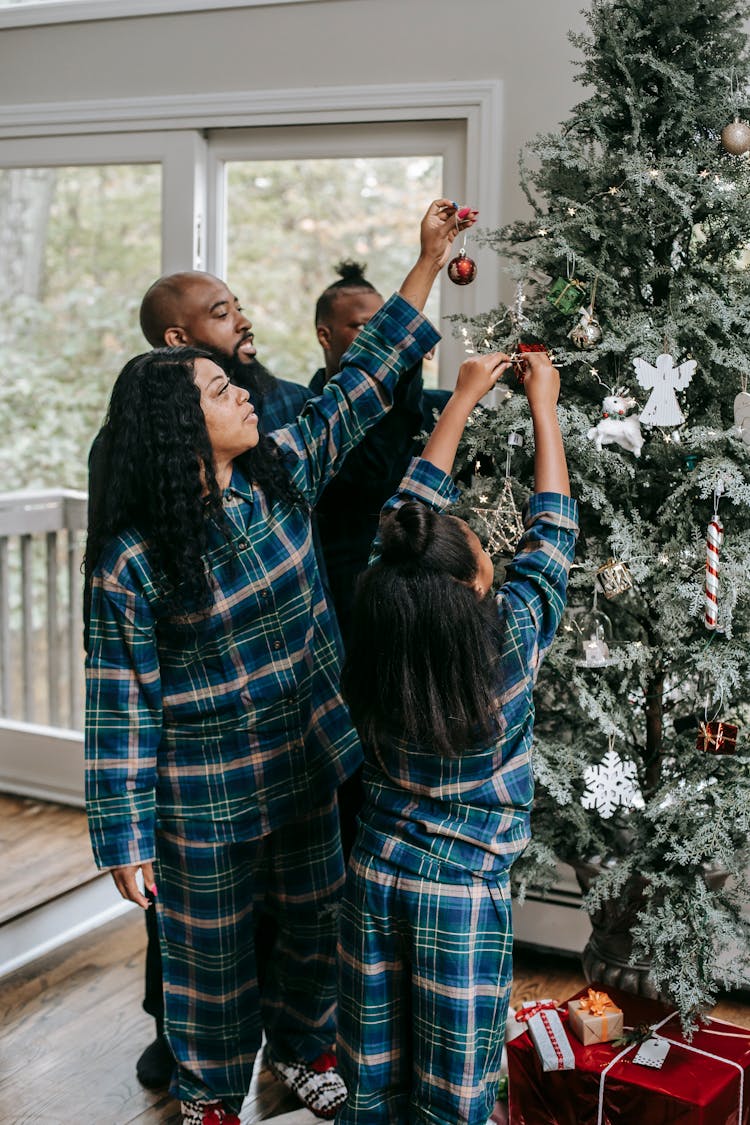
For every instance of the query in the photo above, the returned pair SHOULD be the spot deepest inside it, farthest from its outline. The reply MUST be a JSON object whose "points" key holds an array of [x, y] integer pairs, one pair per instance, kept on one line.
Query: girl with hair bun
{"points": [[439, 679]]}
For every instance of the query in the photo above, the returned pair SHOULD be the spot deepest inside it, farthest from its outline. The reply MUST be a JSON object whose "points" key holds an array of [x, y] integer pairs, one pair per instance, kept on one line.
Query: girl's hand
{"points": [[541, 381], [439, 228], [127, 884], [478, 375]]}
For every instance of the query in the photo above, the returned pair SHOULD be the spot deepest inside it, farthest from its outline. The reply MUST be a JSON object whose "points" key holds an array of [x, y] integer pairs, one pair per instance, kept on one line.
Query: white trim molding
{"points": [[314, 105], [479, 105], [79, 11]]}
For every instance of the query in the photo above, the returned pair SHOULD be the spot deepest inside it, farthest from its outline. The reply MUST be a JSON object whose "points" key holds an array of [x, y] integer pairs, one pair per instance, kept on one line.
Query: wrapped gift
{"points": [[566, 294], [717, 737], [545, 1027], [701, 1082], [595, 1018]]}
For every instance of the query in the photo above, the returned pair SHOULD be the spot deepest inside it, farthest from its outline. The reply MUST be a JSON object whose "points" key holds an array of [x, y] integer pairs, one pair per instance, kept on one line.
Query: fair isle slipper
{"points": [[207, 1113], [317, 1084]]}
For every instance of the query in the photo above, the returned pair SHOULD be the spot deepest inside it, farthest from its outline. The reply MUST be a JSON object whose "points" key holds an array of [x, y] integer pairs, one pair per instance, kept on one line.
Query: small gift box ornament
{"points": [[613, 578], [717, 737], [594, 1018], [547, 1034], [566, 294]]}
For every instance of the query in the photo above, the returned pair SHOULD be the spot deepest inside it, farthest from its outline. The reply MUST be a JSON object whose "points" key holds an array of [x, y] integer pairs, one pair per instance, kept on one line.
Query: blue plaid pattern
{"points": [[282, 403], [217, 990], [231, 722], [471, 813], [426, 935], [424, 979]]}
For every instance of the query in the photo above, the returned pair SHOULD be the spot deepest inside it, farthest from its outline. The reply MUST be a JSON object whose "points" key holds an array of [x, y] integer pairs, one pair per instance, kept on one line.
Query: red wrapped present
{"points": [[595, 1018], [717, 738], [704, 1082]]}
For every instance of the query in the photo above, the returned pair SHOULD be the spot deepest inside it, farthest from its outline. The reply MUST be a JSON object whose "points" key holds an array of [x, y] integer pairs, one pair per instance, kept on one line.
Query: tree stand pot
{"points": [[608, 956]]}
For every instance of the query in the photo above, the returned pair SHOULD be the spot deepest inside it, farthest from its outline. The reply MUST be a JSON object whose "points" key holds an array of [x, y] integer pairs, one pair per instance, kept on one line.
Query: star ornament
{"points": [[503, 523]]}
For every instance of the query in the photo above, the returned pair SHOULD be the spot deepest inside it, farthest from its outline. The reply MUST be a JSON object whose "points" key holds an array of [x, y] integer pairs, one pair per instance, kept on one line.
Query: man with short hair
{"points": [[198, 309]]}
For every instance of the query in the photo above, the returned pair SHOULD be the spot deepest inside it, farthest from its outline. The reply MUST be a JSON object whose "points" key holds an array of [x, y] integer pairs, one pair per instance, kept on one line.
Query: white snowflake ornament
{"points": [[613, 782], [662, 408]]}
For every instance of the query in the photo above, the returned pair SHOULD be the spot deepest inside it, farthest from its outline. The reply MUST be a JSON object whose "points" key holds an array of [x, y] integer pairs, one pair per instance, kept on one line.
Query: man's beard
{"points": [[253, 377]]}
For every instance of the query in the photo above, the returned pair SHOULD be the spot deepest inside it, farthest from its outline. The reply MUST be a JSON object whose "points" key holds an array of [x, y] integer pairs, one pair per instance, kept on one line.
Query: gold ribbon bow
{"points": [[597, 1003], [713, 736]]}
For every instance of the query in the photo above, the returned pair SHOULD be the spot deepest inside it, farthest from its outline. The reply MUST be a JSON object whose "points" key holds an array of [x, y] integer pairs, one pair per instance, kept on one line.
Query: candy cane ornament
{"points": [[714, 540]]}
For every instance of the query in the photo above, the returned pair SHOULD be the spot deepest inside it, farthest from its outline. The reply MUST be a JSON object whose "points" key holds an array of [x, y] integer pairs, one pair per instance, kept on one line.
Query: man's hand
{"points": [[127, 884]]}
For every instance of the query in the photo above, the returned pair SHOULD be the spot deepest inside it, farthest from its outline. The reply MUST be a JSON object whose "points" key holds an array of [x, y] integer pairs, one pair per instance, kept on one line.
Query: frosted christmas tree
{"points": [[631, 271]]}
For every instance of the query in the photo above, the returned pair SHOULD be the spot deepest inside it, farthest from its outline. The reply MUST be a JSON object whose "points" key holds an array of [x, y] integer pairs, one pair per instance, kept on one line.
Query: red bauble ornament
{"points": [[462, 270]]}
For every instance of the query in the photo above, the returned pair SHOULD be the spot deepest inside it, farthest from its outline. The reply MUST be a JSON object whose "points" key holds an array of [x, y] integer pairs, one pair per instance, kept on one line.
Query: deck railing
{"points": [[41, 650]]}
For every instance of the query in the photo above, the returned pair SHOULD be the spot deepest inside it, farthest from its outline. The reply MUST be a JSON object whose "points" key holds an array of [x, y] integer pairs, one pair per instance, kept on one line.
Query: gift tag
{"points": [[652, 1053]]}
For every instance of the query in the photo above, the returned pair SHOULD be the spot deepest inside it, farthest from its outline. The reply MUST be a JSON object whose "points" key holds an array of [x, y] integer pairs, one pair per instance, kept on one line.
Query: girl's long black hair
{"points": [[153, 470], [422, 662]]}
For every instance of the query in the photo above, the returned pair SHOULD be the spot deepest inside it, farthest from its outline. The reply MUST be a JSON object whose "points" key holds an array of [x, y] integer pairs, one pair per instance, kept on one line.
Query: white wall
{"points": [[327, 43]]}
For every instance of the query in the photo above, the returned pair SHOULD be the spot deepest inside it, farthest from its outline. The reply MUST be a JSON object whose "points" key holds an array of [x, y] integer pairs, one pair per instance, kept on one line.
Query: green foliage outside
{"points": [[636, 195], [290, 222], [80, 245]]}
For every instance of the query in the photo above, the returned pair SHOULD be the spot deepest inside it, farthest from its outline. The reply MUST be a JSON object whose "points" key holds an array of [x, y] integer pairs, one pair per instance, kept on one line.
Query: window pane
{"points": [[289, 222], [78, 248]]}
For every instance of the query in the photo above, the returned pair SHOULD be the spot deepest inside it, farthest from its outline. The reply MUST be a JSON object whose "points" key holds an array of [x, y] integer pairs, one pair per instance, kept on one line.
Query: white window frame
{"points": [[182, 159], [446, 139], [185, 118], [51, 12]]}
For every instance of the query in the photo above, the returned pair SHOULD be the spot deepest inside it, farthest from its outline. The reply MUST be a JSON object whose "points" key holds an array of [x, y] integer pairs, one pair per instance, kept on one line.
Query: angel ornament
{"points": [[662, 408]]}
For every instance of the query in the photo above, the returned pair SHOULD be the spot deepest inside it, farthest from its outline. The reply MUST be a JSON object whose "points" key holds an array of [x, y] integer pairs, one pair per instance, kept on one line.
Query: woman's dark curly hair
{"points": [[154, 464], [422, 662]]}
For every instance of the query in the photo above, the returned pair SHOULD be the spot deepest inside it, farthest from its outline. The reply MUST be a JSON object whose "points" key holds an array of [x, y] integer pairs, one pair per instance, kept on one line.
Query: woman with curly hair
{"points": [[216, 737]]}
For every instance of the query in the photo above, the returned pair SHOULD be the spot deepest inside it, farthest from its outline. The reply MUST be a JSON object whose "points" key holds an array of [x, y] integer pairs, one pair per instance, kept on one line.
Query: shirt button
{"points": [[242, 544], [265, 594], [277, 645]]}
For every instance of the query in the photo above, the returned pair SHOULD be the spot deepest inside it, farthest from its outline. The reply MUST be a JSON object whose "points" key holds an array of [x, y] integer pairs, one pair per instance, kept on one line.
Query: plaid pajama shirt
{"points": [[426, 936], [224, 727]]}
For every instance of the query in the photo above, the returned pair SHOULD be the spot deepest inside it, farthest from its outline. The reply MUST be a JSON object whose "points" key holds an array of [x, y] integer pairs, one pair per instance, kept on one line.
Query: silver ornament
{"points": [[735, 137], [588, 332]]}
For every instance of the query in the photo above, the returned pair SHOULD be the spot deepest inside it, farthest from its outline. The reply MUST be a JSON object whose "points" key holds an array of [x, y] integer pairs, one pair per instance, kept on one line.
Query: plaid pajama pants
{"points": [[424, 979], [220, 991]]}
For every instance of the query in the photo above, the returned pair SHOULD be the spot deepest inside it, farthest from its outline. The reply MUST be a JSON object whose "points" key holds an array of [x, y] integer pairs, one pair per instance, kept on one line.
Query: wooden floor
{"points": [[45, 850], [72, 1028]]}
